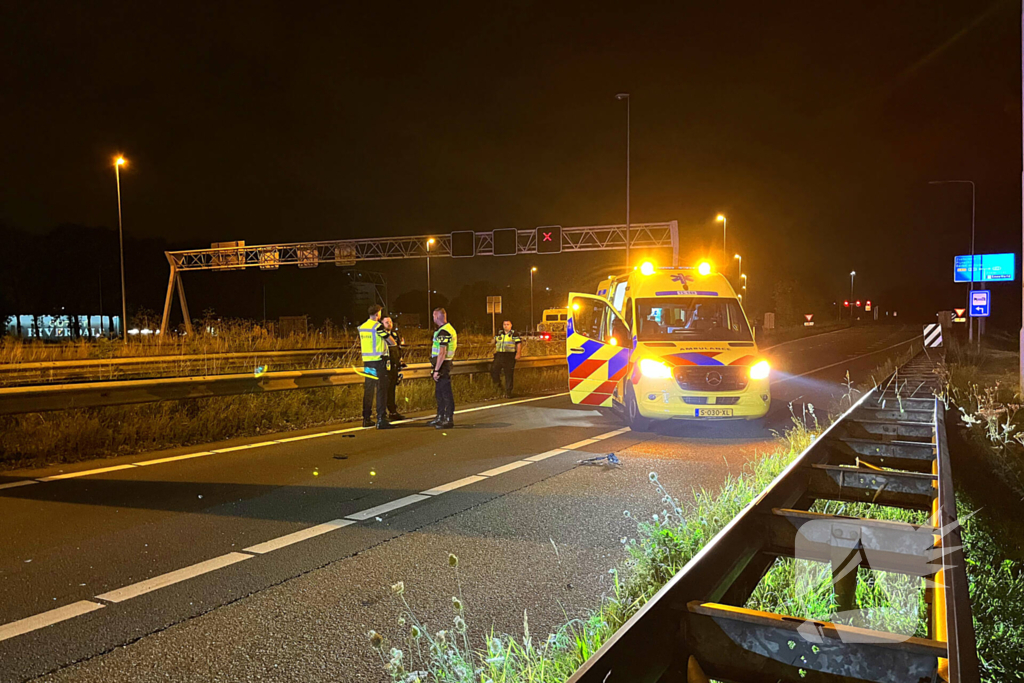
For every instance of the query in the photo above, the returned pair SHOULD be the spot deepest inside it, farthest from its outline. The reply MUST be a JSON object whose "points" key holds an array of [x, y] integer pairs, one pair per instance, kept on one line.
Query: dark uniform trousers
{"points": [[443, 390], [504, 363], [396, 367], [378, 386]]}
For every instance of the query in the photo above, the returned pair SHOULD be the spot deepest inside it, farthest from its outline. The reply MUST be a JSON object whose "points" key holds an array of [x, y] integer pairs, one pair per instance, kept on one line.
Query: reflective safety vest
{"points": [[371, 341], [505, 342], [445, 336]]}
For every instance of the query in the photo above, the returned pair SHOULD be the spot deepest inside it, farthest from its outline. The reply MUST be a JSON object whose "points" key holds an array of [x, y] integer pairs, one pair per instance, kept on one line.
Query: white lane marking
{"points": [[302, 438], [580, 444], [848, 360], [546, 454], [386, 507], [171, 578], [301, 535], [243, 447], [608, 435], [86, 473], [452, 485], [44, 619], [506, 468], [15, 484], [502, 405], [187, 456]]}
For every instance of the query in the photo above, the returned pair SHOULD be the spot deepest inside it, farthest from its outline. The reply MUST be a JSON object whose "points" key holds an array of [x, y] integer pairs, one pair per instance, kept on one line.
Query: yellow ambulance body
{"points": [[666, 343]]}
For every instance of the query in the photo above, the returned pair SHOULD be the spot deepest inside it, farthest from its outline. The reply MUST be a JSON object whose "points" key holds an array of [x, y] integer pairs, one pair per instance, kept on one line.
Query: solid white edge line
{"points": [[15, 484], [848, 360], [547, 454], [578, 444], [170, 578], [86, 473], [452, 485], [44, 619], [243, 447], [384, 508], [187, 456], [301, 535], [505, 468]]}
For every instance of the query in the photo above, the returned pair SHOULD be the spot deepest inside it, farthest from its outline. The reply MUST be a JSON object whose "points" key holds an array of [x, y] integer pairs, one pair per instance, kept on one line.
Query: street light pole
{"points": [[625, 96], [744, 276], [721, 217], [970, 320], [739, 267], [533, 327], [853, 274], [430, 311], [118, 163]]}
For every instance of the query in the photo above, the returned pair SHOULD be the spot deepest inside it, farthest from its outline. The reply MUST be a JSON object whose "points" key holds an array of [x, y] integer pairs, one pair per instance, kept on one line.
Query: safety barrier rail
{"points": [[140, 367], [890, 449], [41, 398]]}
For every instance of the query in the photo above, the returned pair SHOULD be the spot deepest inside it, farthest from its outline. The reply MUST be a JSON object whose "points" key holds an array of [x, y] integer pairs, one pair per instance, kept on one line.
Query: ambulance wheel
{"points": [[636, 421]]}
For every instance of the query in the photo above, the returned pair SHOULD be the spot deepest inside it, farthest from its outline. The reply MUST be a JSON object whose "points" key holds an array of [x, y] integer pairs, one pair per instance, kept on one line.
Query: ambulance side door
{"points": [[597, 348]]}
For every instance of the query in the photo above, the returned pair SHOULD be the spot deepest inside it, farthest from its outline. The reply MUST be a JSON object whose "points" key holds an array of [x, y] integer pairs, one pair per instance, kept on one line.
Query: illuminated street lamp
{"points": [[532, 271], [722, 219], [625, 96], [118, 163], [430, 311], [744, 277], [853, 274], [739, 266]]}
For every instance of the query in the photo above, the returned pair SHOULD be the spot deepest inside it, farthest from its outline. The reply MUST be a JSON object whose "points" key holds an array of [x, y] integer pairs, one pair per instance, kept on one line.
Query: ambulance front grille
{"points": [[711, 378]]}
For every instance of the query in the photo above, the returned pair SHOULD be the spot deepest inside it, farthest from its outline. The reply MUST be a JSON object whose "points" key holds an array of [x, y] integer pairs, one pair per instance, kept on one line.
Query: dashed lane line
{"points": [[289, 539], [260, 444], [15, 484], [385, 508], [171, 578], [44, 619], [86, 473]]}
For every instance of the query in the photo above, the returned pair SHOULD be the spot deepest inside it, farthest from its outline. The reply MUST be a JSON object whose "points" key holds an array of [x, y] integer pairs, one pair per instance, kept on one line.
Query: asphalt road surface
{"points": [[270, 559]]}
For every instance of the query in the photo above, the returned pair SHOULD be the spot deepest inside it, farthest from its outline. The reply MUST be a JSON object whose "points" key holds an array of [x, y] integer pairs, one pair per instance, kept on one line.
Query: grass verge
{"points": [[36, 439]]}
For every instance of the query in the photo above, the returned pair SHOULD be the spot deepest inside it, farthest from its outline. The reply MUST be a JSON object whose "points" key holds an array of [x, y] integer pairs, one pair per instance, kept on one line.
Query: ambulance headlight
{"points": [[655, 369], [760, 370]]}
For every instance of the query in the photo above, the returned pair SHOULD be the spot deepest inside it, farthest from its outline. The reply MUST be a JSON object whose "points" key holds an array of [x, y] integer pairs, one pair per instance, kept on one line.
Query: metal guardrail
{"points": [[888, 449], [42, 398]]}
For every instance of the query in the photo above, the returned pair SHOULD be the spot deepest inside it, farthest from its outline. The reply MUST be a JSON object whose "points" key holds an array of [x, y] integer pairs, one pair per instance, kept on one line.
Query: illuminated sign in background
{"points": [[987, 268]]}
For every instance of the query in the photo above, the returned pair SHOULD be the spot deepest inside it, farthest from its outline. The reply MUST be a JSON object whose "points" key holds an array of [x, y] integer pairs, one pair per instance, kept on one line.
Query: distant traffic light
{"points": [[846, 303], [858, 304], [549, 239]]}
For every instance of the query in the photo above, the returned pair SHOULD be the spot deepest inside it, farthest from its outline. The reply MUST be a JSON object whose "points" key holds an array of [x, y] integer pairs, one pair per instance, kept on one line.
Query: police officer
{"points": [[373, 341], [507, 349], [395, 343], [442, 353]]}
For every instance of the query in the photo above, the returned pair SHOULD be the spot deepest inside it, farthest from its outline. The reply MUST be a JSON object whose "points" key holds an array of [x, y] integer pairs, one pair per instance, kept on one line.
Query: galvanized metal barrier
{"points": [[41, 398], [889, 449]]}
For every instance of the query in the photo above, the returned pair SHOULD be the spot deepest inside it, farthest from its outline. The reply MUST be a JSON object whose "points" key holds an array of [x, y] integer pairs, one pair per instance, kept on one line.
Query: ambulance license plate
{"points": [[714, 412]]}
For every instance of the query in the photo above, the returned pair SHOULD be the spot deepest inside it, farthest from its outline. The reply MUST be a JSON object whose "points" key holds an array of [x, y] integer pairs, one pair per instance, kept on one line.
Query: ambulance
{"points": [[666, 344]]}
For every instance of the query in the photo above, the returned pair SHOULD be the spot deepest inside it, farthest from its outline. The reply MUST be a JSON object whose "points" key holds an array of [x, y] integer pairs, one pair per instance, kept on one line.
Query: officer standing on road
{"points": [[442, 353], [508, 347], [374, 342], [395, 343]]}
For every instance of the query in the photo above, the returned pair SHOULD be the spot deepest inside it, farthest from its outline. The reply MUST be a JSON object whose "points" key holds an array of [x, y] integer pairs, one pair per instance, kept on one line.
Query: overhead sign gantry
{"points": [[501, 242]]}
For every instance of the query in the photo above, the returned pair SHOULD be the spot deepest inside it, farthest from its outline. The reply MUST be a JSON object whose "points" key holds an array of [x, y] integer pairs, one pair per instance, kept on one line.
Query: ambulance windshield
{"points": [[690, 318]]}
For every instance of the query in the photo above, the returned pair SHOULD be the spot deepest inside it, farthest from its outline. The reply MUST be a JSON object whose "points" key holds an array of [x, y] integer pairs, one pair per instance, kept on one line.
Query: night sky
{"points": [[815, 127]]}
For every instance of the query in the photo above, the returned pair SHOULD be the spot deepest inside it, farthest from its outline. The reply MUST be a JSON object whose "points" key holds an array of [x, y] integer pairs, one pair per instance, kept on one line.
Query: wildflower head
{"points": [[415, 632], [460, 624], [376, 640], [456, 604], [653, 476], [452, 561], [401, 621], [398, 588]]}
